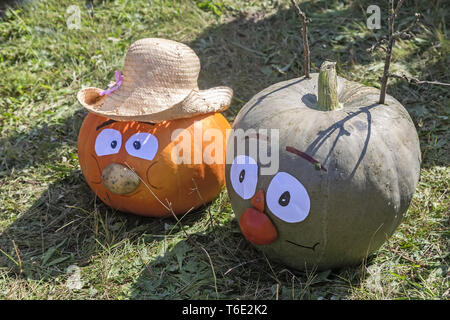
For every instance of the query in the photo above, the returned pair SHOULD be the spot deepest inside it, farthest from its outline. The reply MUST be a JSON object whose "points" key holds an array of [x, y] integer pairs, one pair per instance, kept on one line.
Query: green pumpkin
{"points": [[348, 169]]}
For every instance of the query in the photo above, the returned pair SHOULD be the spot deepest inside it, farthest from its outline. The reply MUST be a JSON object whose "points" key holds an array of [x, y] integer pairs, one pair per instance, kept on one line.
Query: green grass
{"points": [[50, 220]]}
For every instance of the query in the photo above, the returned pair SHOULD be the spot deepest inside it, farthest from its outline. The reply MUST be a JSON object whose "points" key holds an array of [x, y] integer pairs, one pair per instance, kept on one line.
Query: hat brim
{"points": [[197, 102]]}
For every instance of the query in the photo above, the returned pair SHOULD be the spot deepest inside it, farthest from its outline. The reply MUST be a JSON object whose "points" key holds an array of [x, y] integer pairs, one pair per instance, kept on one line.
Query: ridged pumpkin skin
{"points": [[370, 164], [159, 178]]}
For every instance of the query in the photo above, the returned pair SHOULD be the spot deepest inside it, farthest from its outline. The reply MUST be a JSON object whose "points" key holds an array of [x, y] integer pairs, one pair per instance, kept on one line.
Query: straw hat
{"points": [[159, 83]]}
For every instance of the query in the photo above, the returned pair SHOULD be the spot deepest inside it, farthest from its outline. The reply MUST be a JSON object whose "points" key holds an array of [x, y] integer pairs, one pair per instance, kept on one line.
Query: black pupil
{"points": [[242, 176], [137, 145], [284, 199], [113, 144]]}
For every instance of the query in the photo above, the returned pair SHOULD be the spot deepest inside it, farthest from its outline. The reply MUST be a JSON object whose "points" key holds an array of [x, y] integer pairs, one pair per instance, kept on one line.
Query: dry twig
{"points": [[306, 52], [403, 34], [391, 39], [416, 81]]}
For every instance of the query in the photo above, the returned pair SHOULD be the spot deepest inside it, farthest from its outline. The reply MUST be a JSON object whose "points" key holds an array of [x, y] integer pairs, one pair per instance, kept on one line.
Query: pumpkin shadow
{"points": [[323, 135], [220, 263], [68, 226]]}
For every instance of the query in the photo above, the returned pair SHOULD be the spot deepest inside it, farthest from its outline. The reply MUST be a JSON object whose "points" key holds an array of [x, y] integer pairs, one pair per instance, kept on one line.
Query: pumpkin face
{"points": [[130, 166], [345, 177]]}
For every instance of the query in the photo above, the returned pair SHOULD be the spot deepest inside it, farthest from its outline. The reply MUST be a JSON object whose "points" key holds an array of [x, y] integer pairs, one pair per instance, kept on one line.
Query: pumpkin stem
{"points": [[327, 91]]}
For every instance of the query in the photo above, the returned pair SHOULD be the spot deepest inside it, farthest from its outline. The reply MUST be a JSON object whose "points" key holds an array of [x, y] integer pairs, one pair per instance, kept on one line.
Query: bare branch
{"points": [[407, 31], [402, 34], [391, 39], [387, 61], [416, 81], [397, 9], [306, 52]]}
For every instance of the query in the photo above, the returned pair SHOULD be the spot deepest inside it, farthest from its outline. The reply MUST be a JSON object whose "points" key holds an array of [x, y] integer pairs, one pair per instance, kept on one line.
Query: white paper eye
{"points": [[244, 176], [108, 142], [142, 145], [287, 198]]}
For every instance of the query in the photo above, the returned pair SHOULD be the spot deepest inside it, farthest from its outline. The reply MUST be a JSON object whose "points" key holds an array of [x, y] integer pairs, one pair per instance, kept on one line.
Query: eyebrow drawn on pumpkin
{"points": [[107, 122], [305, 156]]}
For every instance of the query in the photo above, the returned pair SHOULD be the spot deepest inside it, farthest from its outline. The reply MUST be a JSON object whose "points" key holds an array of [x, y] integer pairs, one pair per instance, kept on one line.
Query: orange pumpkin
{"points": [[130, 165]]}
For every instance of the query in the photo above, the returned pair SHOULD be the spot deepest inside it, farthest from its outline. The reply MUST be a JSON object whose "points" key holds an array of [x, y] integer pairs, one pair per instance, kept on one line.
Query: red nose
{"points": [[255, 224]]}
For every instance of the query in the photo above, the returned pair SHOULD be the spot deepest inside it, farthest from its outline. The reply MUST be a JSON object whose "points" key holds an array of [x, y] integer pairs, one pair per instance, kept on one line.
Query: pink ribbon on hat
{"points": [[113, 87]]}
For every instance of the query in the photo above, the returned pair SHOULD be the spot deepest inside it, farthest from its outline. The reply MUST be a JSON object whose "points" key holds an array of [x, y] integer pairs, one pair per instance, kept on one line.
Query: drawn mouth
{"points": [[313, 248]]}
